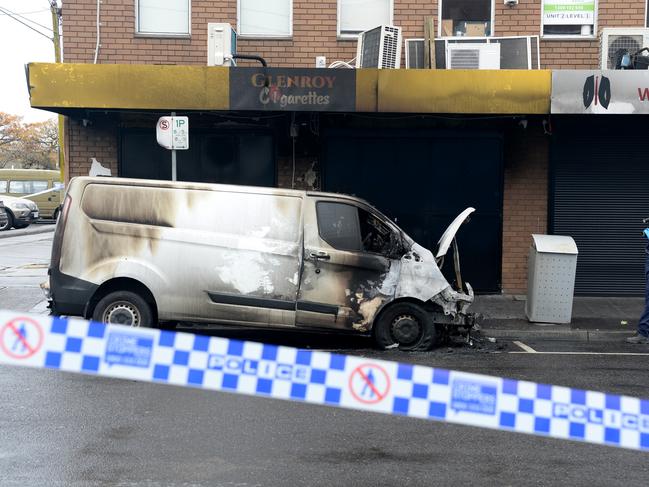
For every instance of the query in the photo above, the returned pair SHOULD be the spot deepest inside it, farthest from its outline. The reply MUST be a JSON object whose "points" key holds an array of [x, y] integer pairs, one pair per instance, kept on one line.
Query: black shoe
{"points": [[638, 339]]}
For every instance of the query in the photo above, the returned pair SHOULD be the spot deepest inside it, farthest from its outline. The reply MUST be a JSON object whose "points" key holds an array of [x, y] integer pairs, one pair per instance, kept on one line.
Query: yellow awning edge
{"points": [[465, 91], [60, 87], [128, 86]]}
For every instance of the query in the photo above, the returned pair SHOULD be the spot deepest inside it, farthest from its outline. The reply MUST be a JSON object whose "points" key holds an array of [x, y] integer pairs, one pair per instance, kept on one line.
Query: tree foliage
{"points": [[27, 145]]}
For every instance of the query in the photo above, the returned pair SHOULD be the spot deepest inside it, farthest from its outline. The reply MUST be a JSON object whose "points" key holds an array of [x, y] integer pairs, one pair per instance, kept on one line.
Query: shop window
{"points": [[356, 16], [569, 18], [163, 17], [466, 18], [265, 18]]}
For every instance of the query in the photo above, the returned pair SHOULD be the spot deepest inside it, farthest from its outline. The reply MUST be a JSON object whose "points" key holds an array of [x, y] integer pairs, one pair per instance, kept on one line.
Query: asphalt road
{"points": [[64, 429]]}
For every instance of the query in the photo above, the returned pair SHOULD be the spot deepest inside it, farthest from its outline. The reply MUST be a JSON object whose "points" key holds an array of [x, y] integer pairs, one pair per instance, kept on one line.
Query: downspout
{"points": [[98, 34]]}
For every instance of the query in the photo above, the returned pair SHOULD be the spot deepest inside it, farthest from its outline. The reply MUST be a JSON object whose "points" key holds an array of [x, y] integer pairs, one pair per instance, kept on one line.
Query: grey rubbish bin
{"points": [[551, 279]]}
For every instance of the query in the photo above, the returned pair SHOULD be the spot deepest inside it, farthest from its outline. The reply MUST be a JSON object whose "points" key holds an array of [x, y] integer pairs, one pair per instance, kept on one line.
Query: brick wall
{"points": [[98, 140], [525, 200], [525, 19], [314, 32]]}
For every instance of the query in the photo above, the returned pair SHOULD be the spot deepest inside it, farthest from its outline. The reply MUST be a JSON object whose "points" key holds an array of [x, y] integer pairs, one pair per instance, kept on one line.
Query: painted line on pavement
{"points": [[306, 376], [527, 348], [621, 354]]}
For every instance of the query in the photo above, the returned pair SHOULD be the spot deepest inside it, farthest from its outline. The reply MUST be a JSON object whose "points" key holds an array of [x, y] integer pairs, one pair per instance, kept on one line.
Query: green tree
{"points": [[28, 145]]}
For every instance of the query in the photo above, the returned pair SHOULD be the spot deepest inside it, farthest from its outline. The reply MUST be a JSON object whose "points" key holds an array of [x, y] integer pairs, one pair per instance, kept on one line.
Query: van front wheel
{"points": [[123, 308], [407, 326]]}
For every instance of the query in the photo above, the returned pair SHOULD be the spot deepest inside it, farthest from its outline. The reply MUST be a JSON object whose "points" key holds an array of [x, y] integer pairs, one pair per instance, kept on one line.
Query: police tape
{"points": [[323, 378]]}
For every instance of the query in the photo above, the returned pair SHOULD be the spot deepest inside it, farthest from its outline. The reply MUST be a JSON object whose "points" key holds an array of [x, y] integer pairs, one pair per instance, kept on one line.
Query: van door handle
{"points": [[321, 255]]}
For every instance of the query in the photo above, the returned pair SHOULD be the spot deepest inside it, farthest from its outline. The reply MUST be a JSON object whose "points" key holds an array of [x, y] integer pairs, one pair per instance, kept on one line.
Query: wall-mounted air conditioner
{"points": [[516, 52], [414, 53], [473, 56], [221, 44], [616, 39], [379, 48]]}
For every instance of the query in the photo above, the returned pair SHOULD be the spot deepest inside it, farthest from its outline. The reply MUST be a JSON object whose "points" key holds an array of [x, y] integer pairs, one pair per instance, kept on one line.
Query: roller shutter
{"points": [[599, 195]]}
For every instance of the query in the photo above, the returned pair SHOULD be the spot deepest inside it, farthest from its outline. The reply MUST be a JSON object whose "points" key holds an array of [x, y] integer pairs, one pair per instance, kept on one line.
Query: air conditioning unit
{"points": [[379, 48], [473, 56], [415, 53], [616, 39], [221, 44], [516, 52]]}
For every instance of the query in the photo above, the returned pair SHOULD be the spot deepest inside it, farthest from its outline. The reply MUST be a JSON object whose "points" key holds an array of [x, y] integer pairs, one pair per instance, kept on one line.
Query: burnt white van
{"points": [[143, 253]]}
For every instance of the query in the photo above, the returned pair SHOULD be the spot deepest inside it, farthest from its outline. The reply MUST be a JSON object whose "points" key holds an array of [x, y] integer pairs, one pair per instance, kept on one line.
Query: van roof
{"points": [[229, 187]]}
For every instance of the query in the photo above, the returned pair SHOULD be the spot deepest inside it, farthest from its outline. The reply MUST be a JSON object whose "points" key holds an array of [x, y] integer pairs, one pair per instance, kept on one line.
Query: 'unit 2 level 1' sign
{"points": [[173, 132]]}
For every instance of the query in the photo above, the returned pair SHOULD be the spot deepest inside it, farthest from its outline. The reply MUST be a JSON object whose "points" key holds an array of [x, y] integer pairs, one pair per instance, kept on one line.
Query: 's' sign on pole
{"points": [[173, 133]]}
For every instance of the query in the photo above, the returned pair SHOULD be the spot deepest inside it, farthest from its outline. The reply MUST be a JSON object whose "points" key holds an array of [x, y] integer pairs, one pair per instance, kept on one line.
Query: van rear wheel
{"points": [[124, 308], [407, 326]]}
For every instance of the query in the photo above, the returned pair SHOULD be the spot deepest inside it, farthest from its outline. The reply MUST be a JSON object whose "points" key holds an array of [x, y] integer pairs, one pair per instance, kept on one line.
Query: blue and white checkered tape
{"points": [[324, 378]]}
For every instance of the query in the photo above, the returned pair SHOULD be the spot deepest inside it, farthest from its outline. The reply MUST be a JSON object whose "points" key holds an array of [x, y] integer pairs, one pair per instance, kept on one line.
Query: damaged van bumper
{"points": [[455, 307]]}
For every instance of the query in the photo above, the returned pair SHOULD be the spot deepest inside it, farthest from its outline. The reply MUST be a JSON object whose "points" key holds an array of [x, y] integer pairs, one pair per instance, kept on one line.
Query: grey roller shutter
{"points": [[599, 195]]}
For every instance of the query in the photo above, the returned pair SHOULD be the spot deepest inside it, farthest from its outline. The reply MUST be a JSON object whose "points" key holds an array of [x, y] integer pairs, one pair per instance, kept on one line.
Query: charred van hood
{"points": [[448, 236]]}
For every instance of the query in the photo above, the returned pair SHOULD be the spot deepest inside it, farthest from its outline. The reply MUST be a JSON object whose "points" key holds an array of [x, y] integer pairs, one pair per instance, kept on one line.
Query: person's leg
{"points": [[643, 324]]}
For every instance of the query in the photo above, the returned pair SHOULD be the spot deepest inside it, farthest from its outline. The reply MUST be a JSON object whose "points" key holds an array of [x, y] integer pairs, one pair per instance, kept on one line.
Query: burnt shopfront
{"points": [[421, 147]]}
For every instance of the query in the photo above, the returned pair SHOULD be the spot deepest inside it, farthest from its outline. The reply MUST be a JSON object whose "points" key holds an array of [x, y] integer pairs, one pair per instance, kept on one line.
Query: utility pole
{"points": [[56, 14]]}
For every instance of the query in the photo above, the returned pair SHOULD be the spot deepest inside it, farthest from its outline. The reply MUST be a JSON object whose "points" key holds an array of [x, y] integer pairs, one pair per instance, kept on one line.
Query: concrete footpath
{"points": [[593, 319]]}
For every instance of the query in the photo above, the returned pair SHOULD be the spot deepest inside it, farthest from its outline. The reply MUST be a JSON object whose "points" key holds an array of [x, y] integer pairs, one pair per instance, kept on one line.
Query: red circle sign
{"points": [[164, 124], [21, 338], [369, 383]]}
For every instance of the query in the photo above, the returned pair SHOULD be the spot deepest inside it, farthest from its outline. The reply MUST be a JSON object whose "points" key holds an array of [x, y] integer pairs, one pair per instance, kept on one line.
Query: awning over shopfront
{"points": [[66, 88]]}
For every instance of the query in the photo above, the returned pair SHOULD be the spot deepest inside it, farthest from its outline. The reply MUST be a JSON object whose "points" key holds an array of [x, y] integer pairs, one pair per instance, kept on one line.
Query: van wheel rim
{"points": [[122, 313], [406, 329]]}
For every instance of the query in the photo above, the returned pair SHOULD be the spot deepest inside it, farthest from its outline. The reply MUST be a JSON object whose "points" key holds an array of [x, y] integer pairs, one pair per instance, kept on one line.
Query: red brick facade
{"points": [[314, 32], [525, 200], [84, 143]]}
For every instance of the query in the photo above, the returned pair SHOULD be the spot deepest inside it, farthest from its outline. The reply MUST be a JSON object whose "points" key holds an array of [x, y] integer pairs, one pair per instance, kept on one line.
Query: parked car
{"points": [[43, 187], [143, 252], [20, 212], [4, 220]]}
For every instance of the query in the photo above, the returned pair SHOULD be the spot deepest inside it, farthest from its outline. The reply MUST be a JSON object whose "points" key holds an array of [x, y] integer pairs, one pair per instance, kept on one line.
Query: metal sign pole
{"points": [[173, 155], [173, 164]]}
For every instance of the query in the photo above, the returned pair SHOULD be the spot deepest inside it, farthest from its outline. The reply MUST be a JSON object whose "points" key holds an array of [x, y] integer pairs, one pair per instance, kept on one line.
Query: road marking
{"points": [[631, 354], [527, 348]]}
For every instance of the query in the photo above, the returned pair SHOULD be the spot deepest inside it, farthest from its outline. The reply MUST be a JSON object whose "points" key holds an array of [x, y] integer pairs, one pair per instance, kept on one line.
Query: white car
{"points": [[20, 212]]}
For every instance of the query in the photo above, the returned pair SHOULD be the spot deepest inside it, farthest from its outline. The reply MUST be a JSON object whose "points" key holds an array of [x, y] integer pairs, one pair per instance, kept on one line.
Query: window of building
{"points": [[163, 17], [265, 18], [568, 18], [356, 16], [466, 18]]}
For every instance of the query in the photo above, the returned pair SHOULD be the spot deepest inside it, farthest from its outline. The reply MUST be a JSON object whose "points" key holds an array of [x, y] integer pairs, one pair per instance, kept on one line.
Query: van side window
{"points": [[338, 225], [375, 235], [3, 186], [27, 187], [38, 186]]}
